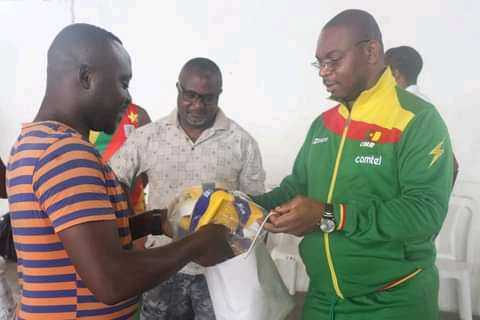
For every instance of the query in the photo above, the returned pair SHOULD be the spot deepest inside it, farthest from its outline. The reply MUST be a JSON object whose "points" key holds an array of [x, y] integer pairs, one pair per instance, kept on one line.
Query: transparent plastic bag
{"points": [[248, 286], [200, 205]]}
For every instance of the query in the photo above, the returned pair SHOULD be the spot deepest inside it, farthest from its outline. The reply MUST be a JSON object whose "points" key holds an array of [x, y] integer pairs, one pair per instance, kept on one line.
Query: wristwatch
{"points": [[156, 224], [327, 224]]}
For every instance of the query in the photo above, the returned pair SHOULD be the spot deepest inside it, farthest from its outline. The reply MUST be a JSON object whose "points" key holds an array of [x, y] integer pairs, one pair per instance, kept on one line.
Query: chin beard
{"points": [[335, 98], [199, 125], [204, 123]]}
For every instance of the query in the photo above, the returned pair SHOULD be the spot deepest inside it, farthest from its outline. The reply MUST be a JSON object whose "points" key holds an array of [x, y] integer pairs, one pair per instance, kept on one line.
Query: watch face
{"points": [[327, 225]]}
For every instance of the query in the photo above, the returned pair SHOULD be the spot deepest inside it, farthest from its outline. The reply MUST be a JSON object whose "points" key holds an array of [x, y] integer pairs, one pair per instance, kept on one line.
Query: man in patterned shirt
{"points": [[70, 217], [195, 144]]}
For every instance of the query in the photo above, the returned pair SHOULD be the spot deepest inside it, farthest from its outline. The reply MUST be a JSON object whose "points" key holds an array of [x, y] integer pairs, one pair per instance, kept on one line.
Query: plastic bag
{"points": [[200, 205], [248, 287]]}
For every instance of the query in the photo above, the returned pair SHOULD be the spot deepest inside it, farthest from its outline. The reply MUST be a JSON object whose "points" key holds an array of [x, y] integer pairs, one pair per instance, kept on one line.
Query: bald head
{"points": [[360, 23], [87, 79], [78, 45]]}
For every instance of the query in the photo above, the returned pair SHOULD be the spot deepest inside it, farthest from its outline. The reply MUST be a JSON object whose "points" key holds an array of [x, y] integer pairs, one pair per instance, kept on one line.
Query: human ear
{"points": [[85, 76], [373, 50]]}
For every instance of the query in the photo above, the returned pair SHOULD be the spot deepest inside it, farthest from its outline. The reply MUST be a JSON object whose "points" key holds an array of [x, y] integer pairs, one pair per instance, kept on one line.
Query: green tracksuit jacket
{"points": [[386, 167]]}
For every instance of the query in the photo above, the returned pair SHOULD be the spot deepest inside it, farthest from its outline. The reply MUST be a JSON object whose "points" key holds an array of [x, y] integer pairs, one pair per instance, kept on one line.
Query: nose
{"points": [[324, 71], [197, 103]]}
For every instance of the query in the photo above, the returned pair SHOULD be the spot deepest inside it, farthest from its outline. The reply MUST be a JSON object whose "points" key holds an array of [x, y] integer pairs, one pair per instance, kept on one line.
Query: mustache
{"points": [[328, 83]]}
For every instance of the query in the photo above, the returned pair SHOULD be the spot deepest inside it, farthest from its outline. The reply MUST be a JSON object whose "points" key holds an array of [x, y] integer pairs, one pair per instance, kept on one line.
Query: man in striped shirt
{"points": [[70, 217]]}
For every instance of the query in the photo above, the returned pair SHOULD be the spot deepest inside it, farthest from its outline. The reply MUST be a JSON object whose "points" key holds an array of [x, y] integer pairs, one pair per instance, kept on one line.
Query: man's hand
{"points": [[114, 274], [214, 248], [299, 216]]}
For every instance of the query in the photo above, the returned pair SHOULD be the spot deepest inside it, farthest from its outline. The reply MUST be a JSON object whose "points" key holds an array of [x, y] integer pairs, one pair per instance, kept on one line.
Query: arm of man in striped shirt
{"points": [[86, 204]]}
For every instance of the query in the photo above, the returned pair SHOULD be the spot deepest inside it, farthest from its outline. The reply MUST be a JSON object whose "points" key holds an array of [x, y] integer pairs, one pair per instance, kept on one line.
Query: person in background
{"points": [[406, 64], [133, 117], [196, 144]]}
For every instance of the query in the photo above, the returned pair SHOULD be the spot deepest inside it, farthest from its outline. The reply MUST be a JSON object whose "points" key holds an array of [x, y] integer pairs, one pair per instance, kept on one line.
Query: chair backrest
{"points": [[456, 238]]}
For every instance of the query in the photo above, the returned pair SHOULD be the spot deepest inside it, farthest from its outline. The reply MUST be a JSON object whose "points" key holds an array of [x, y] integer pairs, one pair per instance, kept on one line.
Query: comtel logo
{"points": [[371, 160]]}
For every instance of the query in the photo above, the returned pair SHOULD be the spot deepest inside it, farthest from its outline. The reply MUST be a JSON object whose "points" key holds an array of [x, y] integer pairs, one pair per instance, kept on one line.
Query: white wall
{"points": [[264, 49]]}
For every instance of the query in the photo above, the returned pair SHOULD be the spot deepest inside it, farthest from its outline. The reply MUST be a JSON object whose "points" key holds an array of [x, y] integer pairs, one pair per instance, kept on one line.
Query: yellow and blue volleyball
{"points": [[201, 205]]}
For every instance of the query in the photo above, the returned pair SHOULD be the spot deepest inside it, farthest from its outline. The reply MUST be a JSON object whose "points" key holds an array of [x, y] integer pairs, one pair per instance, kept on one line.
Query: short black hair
{"points": [[203, 66], [359, 21], [407, 61]]}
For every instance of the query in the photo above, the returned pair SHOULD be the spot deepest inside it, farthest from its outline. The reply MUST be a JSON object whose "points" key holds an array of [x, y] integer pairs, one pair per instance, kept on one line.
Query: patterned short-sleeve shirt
{"points": [[225, 154], [56, 180]]}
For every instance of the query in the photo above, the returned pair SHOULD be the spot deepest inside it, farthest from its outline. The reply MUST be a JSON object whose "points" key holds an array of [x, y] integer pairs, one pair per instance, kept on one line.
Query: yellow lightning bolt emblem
{"points": [[436, 153]]}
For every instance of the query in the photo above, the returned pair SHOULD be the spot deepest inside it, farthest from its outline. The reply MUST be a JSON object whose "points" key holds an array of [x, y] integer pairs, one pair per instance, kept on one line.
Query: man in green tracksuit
{"points": [[370, 186]]}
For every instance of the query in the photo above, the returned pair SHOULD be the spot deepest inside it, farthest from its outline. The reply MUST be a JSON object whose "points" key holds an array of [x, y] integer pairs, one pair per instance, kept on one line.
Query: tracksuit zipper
{"points": [[326, 240]]}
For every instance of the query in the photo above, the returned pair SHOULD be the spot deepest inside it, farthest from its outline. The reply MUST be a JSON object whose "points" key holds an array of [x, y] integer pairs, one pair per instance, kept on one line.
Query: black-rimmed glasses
{"points": [[333, 62], [192, 96]]}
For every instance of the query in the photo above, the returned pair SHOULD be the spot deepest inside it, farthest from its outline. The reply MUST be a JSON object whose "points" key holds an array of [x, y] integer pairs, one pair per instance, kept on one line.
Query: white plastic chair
{"points": [[455, 246], [284, 251]]}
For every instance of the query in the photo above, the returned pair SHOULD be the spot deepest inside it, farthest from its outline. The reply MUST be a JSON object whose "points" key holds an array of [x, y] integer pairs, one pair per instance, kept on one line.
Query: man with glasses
{"points": [[370, 186], [197, 143]]}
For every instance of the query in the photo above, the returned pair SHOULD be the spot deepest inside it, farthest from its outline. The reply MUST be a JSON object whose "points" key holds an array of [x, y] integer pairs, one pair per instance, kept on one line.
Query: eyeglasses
{"points": [[192, 96], [332, 63]]}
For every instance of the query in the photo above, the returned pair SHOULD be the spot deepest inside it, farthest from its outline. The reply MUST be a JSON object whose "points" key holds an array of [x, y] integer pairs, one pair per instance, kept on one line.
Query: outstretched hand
{"points": [[299, 216]]}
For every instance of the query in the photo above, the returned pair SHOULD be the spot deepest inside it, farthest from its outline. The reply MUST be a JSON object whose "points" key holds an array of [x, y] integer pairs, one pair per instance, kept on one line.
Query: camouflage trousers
{"points": [[182, 297]]}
